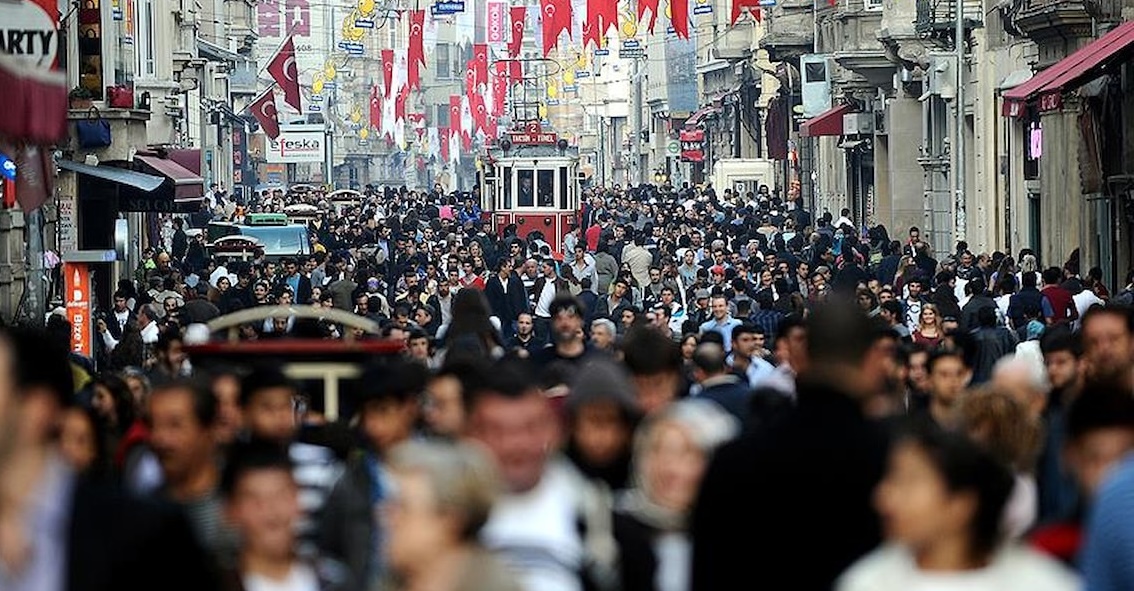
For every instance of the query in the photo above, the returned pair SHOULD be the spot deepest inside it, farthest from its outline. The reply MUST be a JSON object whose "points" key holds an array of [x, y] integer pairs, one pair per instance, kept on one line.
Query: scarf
{"points": [[635, 503]]}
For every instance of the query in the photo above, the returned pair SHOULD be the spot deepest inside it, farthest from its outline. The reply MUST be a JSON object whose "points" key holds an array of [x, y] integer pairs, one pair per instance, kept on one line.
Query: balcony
{"points": [[1040, 20], [938, 18]]}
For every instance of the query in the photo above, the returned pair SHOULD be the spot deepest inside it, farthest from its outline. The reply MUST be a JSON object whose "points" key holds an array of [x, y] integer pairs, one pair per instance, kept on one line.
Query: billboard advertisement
{"points": [[297, 143]]}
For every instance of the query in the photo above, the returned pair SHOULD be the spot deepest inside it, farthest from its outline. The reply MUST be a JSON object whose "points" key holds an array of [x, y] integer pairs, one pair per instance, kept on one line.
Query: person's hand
{"points": [[101, 326]]}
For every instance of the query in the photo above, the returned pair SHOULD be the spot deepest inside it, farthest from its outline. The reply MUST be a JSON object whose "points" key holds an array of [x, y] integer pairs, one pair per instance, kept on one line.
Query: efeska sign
{"points": [[298, 143]]}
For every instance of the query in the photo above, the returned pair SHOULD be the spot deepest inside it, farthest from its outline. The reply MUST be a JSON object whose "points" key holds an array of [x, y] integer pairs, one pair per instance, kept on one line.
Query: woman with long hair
{"points": [[471, 329], [928, 331], [906, 271]]}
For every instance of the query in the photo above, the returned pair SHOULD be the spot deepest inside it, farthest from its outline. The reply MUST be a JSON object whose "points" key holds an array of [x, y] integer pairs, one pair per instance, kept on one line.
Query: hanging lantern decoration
{"points": [[363, 133], [317, 84], [366, 7]]}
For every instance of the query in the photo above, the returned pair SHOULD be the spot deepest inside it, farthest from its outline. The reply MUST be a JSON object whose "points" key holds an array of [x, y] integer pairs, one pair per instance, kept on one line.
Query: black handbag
{"points": [[94, 131]]}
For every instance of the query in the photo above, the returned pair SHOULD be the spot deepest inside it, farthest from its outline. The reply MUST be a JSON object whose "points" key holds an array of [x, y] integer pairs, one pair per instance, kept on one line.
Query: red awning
{"points": [[829, 122], [695, 119], [186, 184], [1070, 72]]}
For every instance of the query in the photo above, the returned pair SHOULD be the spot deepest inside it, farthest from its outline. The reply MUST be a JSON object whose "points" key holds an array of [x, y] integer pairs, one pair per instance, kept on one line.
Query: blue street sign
{"points": [[364, 23], [448, 7], [602, 52], [703, 9], [582, 73]]}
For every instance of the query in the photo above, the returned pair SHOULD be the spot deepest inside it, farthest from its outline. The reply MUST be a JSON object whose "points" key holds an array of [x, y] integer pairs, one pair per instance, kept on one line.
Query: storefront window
{"points": [[90, 47], [122, 12]]}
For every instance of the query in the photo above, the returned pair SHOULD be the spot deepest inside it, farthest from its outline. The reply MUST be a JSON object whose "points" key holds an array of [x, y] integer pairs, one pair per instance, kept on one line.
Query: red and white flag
{"points": [[741, 6], [555, 16], [388, 71], [679, 17], [264, 110], [480, 65], [652, 5], [416, 48], [285, 72], [601, 16], [455, 114], [375, 108], [518, 14]]}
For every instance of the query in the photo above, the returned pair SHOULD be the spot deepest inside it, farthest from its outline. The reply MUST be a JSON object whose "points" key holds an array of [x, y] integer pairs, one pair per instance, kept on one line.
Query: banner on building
{"points": [[298, 143], [496, 25], [692, 145]]}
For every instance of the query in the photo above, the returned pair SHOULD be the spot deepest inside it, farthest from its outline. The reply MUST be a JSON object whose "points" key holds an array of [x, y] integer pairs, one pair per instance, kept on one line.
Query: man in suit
{"points": [[63, 531], [505, 293], [299, 283]]}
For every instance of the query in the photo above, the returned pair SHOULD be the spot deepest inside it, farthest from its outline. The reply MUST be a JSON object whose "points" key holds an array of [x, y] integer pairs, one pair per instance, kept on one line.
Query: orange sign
{"points": [[77, 283]]}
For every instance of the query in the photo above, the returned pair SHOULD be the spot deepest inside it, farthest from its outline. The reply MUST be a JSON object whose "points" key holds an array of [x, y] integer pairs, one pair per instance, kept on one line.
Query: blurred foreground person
{"points": [[61, 532], [262, 503], [942, 503], [651, 522], [788, 484], [442, 495], [551, 524]]}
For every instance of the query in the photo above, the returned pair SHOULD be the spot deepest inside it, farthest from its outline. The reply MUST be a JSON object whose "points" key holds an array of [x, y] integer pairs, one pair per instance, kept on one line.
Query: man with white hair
{"points": [[1024, 378], [602, 334]]}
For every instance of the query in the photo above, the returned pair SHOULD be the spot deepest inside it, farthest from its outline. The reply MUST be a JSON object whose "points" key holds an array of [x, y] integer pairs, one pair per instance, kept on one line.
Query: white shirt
{"points": [[546, 296], [150, 333], [892, 568], [535, 533], [301, 578]]}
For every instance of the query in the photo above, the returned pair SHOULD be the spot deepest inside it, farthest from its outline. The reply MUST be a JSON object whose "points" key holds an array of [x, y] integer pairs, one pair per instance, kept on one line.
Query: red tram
{"points": [[530, 178]]}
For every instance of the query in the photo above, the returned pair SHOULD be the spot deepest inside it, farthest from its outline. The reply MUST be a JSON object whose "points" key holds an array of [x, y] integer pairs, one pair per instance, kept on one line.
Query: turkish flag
{"points": [[400, 104], [455, 114], [515, 72], [479, 112], [500, 85], [555, 16], [741, 6], [679, 17], [517, 14], [264, 110], [653, 6], [443, 139], [470, 77], [601, 16], [416, 48], [480, 63], [375, 108], [286, 74], [388, 71]]}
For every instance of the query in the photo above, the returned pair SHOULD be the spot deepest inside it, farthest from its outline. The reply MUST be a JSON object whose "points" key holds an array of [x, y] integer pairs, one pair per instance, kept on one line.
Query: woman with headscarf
{"points": [[651, 522]]}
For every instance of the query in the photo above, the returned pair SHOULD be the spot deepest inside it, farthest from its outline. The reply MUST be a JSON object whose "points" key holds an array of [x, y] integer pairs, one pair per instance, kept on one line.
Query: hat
{"points": [[701, 294], [717, 270]]}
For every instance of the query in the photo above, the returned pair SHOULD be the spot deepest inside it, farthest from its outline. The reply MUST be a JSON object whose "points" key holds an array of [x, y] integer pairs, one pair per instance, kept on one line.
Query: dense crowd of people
{"points": [[691, 390]]}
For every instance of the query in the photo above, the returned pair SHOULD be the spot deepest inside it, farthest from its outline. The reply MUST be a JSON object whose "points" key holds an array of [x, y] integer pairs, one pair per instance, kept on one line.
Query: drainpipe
{"points": [[959, 139]]}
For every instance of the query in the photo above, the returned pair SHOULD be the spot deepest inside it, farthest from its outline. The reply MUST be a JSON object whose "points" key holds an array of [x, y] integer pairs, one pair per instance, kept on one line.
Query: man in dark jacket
{"points": [[718, 384], [505, 293], [793, 479], [1026, 303]]}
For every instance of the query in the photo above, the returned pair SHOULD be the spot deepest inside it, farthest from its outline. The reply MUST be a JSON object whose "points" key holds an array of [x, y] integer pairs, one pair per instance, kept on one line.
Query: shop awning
{"points": [[120, 176], [186, 183], [1070, 72], [699, 115], [829, 122], [135, 191]]}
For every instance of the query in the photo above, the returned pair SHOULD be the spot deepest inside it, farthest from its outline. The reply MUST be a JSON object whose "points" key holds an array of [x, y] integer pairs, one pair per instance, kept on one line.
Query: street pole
{"points": [[33, 228], [636, 106], [959, 139]]}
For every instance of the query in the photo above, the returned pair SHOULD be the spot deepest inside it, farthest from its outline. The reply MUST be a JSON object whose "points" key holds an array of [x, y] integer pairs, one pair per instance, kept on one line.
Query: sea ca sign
{"points": [[28, 31], [298, 143]]}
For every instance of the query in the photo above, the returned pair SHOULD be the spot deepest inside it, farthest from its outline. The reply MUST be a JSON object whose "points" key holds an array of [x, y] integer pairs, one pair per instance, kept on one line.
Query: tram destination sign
{"points": [[528, 138]]}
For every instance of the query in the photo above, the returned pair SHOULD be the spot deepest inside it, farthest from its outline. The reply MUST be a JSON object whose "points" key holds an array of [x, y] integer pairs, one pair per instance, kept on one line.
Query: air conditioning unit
{"points": [[942, 77], [858, 123]]}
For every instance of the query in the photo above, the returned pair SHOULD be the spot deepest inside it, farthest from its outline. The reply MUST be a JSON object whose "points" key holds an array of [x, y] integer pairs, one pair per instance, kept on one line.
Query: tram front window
{"points": [[547, 188], [526, 189]]}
